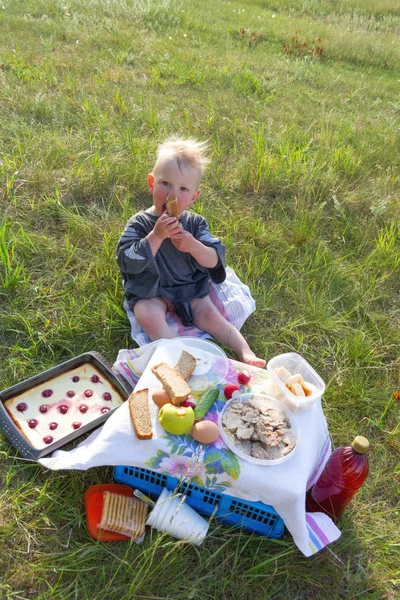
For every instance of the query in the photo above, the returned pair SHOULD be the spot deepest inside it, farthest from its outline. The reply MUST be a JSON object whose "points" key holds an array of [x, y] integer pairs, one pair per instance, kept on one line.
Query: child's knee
{"points": [[201, 308], [207, 316], [149, 315]]}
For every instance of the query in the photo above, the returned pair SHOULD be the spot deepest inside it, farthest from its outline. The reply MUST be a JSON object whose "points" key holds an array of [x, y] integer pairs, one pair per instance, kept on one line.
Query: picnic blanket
{"points": [[232, 298], [214, 466]]}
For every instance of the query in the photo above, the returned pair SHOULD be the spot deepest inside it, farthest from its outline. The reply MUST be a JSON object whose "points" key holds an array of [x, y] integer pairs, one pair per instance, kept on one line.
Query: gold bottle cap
{"points": [[360, 444]]}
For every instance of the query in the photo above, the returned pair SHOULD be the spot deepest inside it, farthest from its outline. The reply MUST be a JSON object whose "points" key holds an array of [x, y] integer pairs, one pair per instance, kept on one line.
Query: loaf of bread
{"points": [[172, 206], [140, 414], [173, 383], [185, 365], [123, 514]]}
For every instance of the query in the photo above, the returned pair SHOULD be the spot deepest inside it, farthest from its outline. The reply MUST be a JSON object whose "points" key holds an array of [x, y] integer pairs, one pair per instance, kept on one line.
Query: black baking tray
{"points": [[12, 432]]}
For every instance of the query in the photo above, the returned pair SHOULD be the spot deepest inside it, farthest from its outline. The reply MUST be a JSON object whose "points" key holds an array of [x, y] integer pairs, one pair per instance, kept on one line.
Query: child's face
{"points": [[170, 179]]}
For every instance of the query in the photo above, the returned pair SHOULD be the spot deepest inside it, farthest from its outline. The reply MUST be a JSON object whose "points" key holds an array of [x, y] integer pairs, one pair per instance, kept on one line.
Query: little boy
{"points": [[166, 262]]}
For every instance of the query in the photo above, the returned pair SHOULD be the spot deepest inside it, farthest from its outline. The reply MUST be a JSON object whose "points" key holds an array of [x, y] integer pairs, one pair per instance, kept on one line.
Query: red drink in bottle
{"points": [[343, 475]]}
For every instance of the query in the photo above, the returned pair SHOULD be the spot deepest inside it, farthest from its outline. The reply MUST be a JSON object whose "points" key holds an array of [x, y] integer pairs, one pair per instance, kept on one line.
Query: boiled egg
{"points": [[161, 397], [205, 432]]}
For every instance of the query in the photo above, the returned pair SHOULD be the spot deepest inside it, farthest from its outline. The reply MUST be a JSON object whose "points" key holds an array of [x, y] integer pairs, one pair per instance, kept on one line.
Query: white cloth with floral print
{"points": [[214, 466]]}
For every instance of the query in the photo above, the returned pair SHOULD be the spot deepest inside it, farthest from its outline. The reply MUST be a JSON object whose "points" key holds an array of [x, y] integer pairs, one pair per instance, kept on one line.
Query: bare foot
{"points": [[251, 359]]}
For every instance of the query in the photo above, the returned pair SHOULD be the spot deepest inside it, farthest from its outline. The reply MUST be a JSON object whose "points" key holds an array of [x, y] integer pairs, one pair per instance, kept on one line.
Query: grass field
{"points": [[300, 103]]}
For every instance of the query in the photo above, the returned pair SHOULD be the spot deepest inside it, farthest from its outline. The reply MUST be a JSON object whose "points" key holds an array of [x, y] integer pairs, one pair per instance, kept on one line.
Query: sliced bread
{"points": [[140, 414], [173, 383], [185, 365]]}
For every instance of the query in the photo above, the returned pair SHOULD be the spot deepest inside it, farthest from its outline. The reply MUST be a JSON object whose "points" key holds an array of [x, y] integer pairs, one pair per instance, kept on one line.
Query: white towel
{"points": [[214, 466]]}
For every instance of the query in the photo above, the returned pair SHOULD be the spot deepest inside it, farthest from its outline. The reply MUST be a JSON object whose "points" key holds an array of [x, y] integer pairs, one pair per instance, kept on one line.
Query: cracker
{"points": [[123, 514], [105, 511]]}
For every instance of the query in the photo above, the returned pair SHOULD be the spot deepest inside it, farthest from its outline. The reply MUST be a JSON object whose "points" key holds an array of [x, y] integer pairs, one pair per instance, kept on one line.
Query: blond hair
{"points": [[188, 153]]}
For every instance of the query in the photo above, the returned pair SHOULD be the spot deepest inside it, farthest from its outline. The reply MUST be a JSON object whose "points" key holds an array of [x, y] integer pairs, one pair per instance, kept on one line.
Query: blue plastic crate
{"points": [[250, 516]]}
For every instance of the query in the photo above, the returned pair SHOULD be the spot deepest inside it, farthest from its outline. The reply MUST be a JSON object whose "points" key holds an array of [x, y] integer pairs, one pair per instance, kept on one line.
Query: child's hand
{"points": [[166, 226], [183, 241]]}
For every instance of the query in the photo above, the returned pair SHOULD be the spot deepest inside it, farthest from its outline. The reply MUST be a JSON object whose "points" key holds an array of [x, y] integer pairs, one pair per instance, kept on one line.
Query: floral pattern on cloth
{"points": [[211, 465]]}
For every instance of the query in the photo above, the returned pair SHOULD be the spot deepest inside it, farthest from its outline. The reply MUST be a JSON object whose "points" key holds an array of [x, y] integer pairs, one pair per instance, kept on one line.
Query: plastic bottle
{"points": [[343, 475]]}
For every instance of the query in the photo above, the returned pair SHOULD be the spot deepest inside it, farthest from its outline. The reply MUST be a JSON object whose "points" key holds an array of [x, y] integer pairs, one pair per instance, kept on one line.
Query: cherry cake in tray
{"points": [[60, 406]]}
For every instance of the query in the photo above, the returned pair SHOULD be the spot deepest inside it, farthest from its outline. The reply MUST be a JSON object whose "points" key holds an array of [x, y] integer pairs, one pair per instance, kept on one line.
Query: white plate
{"points": [[258, 461], [212, 362]]}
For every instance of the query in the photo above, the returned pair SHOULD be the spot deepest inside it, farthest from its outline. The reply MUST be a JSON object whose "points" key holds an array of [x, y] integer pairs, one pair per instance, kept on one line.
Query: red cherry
{"points": [[107, 396], [43, 408], [95, 379], [48, 439], [83, 408], [47, 393], [22, 407], [63, 408], [229, 389], [76, 425], [53, 426], [75, 378], [88, 393], [70, 394], [32, 423], [105, 410], [244, 377]]}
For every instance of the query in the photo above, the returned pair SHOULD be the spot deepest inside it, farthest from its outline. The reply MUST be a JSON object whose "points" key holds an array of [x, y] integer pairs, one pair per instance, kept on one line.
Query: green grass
{"points": [[303, 188]]}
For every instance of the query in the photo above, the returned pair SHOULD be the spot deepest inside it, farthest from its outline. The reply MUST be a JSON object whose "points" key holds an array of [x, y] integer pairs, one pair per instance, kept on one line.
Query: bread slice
{"points": [[172, 206], [185, 365], [140, 414], [176, 387]]}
